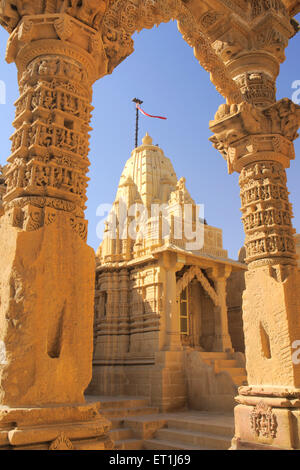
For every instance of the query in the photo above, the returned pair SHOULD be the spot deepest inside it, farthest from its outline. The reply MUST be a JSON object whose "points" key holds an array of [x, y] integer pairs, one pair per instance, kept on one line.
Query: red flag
{"points": [[149, 115]]}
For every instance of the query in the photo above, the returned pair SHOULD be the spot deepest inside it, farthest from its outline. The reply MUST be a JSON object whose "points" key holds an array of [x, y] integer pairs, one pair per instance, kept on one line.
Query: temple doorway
{"points": [[197, 319]]}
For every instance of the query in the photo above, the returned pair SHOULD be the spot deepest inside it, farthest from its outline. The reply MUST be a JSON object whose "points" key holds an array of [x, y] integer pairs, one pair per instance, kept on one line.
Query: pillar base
{"points": [[64, 427], [46, 310], [237, 444], [267, 422]]}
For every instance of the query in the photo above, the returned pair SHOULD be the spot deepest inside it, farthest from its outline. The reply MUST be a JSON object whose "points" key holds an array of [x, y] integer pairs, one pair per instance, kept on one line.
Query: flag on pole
{"points": [[149, 115]]}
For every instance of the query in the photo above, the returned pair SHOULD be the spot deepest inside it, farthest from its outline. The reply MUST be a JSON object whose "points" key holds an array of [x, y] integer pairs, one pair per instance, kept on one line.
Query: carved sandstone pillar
{"points": [[222, 341], [168, 386], [47, 280], [171, 334], [258, 144]]}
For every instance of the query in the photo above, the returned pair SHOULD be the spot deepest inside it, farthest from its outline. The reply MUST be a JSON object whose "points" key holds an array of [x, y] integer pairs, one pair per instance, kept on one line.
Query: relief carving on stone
{"points": [[89, 12], [124, 17], [50, 146], [267, 214], [62, 442], [116, 21], [258, 143], [244, 129], [263, 421]]}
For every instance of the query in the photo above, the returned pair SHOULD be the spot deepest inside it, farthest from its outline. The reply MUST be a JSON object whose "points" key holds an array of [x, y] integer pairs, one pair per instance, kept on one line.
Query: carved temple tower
{"points": [[159, 296]]}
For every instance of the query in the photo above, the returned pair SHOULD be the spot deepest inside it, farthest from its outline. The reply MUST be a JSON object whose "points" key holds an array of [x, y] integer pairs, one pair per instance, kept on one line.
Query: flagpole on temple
{"points": [[137, 102]]}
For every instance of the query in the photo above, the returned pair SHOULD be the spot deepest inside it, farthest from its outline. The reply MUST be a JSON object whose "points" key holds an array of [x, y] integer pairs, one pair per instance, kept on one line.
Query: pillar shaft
{"points": [[222, 337], [258, 144], [50, 268], [256, 137], [173, 341], [171, 333], [47, 287]]}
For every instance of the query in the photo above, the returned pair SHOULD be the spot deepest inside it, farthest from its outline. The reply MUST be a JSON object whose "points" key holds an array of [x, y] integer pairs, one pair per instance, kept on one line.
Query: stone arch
{"points": [[246, 55], [196, 272], [125, 17]]}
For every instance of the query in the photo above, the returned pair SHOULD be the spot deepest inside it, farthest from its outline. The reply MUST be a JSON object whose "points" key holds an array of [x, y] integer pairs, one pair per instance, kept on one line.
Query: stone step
{"points": [[145, 427], [123, 412], [120, 434], [201, 439], [129, 444], [220, 429], [215, 355], [119, 402], [220, 363], [227, 363], [233, 371], [158, 444]]}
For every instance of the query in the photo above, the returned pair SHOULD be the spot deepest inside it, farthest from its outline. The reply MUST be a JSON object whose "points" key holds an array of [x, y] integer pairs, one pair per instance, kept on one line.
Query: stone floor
{"points": [[138, 426]]}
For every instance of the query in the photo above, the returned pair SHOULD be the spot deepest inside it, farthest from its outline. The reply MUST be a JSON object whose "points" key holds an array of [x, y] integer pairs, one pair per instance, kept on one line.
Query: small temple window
{"points": [[184, 312]]}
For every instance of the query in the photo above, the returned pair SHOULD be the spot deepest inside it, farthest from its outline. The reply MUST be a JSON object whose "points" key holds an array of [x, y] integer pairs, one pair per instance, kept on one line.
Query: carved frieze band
{"points": [[259, 145], [50, 146], [267, 214], [30, 214]]}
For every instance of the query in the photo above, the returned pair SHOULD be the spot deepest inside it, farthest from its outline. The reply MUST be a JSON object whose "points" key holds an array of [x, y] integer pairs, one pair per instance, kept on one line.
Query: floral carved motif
{"points": [[61, 443], [64, 28]]}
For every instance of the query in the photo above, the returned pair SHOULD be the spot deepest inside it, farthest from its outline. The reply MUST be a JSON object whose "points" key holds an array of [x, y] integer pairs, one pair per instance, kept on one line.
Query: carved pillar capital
{"points": [[59, 34], [219, 272], [89, 12], [251, 44], [244, 134], [258, 144], [170, 261]]}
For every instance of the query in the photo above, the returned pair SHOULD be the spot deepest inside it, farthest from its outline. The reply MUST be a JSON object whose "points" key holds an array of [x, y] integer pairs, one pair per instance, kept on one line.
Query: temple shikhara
{"points": [[159, 340]]}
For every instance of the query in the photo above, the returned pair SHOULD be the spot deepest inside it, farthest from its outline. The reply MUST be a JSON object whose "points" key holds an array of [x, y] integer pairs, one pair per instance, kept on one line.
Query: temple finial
{"points": [[147, 140]]}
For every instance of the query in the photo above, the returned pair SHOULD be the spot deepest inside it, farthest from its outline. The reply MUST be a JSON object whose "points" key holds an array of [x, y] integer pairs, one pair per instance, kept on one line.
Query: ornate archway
{"points": [[61, 47], [196, 272]]}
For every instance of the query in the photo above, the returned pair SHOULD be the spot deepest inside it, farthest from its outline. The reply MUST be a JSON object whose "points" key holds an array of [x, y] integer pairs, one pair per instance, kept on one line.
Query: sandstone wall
{"points": [[207, 390]]}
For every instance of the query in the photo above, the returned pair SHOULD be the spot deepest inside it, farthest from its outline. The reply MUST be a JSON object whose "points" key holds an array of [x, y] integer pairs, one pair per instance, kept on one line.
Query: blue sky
{"points": [[164, 73]]}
